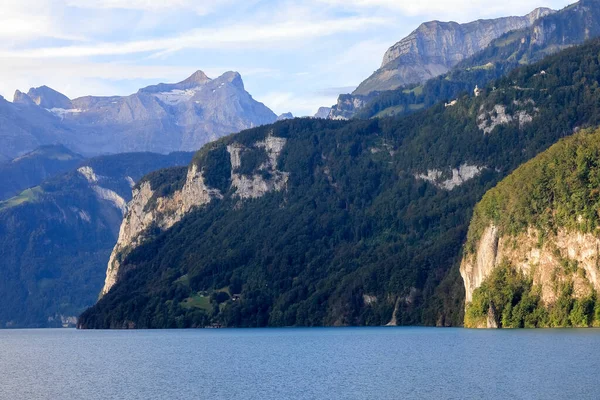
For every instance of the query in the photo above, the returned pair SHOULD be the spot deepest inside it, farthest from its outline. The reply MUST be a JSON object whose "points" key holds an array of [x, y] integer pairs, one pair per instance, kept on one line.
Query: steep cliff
{"points": [[542, 222], [435, 47], [154, 208]]}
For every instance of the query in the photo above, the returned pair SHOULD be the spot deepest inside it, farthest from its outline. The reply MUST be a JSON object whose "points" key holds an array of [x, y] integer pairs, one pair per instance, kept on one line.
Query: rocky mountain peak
{"points": [[284, 116], [232, 77], [538, 13], [197, 78], [49, 98], [22, 98]]}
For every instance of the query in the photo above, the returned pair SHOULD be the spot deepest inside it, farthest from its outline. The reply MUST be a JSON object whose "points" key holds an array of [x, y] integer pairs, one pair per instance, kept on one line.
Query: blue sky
{"points": [[293, 55]]}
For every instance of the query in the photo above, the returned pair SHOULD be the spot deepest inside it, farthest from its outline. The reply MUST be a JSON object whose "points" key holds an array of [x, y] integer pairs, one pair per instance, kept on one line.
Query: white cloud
{"points": [[30, 19], [241, 36], [461, 10], [199, 7]]}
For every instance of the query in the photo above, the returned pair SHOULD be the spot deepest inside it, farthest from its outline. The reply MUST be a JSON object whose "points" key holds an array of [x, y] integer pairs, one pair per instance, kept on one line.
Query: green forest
{"points": [[355, 238]]}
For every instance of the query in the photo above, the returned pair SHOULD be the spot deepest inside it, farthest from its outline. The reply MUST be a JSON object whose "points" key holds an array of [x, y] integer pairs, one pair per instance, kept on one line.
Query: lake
{"points": [[317, 363]]}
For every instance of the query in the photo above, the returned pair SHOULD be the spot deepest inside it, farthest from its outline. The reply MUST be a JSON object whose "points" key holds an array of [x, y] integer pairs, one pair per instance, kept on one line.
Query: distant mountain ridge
{"points": [[32, 168], [435, 47], [161, 118], [548, 34]]}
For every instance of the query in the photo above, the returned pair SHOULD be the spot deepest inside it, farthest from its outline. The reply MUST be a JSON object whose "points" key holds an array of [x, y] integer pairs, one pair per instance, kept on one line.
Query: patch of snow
{"points": [[61, 112], [176, 96]]}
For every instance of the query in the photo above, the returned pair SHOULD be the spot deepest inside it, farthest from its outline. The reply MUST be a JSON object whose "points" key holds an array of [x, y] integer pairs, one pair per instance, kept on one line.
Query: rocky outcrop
{"points": [[435, 47], [460, 175], [164, 214], [523, 114], [545, 263], [147, 210], [102, 193], [348, 104], [267, 177]]}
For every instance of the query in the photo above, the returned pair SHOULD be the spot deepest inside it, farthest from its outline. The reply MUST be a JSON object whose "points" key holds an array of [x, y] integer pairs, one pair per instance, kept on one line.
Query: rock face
{"points": [[148, 209], [460, 175], [435, 47], [432, 50], [538, 227], [541, 263], [160, 118]]}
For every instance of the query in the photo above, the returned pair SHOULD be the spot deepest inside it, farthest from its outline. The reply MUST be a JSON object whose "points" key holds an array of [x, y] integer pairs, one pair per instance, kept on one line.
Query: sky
{"points": [[294, 56]]}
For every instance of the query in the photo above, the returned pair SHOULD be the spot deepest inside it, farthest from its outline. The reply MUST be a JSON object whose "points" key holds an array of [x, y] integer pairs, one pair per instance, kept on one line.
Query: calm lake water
{"points": [[336, 363]]}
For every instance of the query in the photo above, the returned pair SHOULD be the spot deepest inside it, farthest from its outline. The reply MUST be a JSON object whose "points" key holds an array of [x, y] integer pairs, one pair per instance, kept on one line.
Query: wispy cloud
{"points": [[446, 10], [199, 7], [241, 36]]}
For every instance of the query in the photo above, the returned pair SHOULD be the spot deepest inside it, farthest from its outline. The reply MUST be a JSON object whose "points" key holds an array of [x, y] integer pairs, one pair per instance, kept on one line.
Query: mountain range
{"points": [[160, 118]]}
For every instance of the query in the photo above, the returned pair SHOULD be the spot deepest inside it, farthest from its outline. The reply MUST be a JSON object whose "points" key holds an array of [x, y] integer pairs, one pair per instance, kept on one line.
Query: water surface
{"points": [[321, 363]]}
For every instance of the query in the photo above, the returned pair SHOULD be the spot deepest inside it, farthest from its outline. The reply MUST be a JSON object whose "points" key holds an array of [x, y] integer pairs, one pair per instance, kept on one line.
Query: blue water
{"points": [[336, 363]]}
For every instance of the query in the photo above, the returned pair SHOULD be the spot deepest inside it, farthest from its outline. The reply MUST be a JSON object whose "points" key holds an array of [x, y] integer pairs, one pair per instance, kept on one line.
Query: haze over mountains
{"points": [[160, 118]]}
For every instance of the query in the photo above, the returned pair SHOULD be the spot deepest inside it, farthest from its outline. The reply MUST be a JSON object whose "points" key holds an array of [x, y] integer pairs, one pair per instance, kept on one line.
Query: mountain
{"points": [[24, 127], [56, 237], [435, 47], [547, 35], [161, 118], [32, 168], [316, 222], [322, 112], [533, 249], [284, 116]]}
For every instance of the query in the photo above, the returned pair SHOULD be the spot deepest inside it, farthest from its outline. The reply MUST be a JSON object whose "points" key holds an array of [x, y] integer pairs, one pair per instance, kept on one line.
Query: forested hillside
{"points": [[367, 228], [545, 222]]}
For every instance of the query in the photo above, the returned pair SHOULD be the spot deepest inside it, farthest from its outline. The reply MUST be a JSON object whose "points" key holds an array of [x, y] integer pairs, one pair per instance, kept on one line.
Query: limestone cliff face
{"points": [[544, 264], [148, 211], [435, 47]]}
